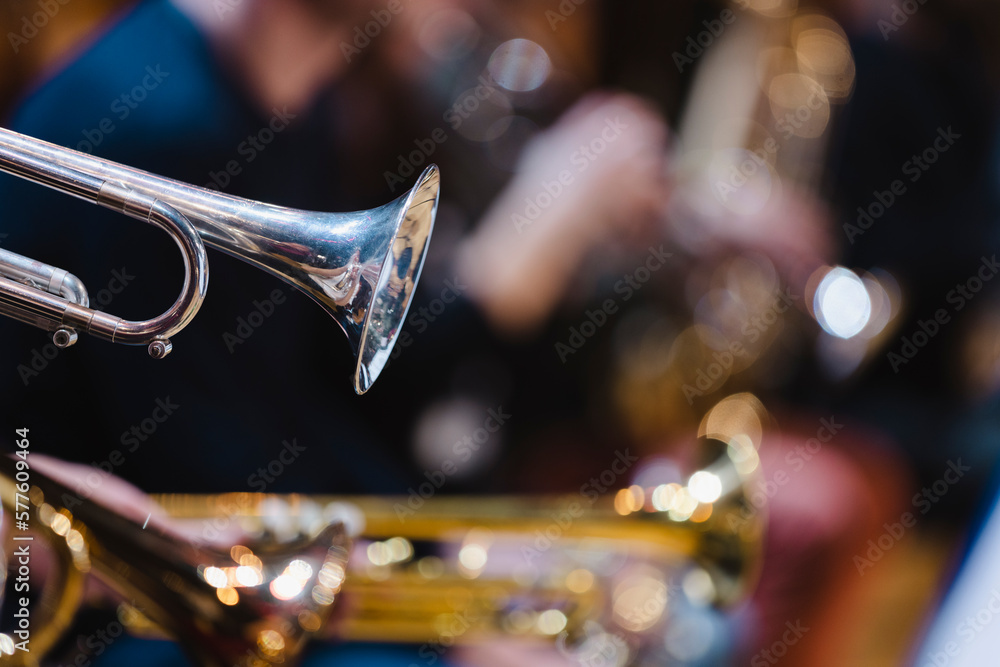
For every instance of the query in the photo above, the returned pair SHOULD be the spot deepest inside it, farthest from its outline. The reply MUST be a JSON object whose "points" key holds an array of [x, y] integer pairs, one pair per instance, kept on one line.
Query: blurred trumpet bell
{"points": [[254, 605]]}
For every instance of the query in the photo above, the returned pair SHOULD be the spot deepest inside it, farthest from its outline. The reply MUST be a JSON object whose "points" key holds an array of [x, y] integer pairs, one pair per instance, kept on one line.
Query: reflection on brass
{"points": [[454, 570], [362, 267], [253, 607]]}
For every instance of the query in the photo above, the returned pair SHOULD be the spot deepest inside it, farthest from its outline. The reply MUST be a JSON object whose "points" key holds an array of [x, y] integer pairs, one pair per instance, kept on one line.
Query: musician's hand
{"points": [[91, 484], [790, 225], [592, 179], [107, 490]]}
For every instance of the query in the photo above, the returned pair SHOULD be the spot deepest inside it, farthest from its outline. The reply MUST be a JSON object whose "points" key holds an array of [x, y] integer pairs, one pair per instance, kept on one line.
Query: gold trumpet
{"points": [[456, 570], [362, 267]]}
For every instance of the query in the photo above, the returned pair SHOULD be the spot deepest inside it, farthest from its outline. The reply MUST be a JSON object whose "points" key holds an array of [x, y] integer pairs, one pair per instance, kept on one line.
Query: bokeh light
{"points": [[520, 65], [842, 304]]}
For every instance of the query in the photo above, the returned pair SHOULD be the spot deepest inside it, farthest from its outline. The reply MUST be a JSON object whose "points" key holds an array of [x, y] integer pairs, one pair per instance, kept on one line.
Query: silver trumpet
{"points": [[361, 267]]}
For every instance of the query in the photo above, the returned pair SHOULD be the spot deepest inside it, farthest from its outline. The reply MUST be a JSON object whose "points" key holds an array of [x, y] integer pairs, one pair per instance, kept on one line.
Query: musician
{"points": [[222, 410], [190, 99], [235, 96]]}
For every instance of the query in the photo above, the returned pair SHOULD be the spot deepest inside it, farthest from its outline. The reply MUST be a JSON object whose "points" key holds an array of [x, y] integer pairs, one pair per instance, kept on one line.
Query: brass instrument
{"points": [[444, 574], [749, 161], [361, 267]]}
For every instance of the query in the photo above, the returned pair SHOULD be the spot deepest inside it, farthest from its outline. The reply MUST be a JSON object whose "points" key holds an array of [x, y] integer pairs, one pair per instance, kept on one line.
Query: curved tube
{"points": [[361, 267], [53, 299]]}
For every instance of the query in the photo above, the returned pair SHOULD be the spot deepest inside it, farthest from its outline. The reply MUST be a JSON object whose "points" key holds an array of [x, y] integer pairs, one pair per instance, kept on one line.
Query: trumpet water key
{"points": [[361, 267]]}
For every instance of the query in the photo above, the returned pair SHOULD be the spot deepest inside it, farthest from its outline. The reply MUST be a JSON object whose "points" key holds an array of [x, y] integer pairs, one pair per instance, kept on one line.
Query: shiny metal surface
{"points": [[253, 605], [55, 300], [49, 278], [455, 570], [361, 267]]}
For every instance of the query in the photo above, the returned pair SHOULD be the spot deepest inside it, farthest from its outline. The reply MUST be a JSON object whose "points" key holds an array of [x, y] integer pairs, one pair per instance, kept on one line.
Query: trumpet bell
{"points": [[361, 267], [254, 604], [459, 570], [402, 230]]}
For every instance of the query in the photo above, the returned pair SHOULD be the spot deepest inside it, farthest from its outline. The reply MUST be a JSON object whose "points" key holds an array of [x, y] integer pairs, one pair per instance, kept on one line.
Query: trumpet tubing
{"points": [[456, 570], [362, 267]]}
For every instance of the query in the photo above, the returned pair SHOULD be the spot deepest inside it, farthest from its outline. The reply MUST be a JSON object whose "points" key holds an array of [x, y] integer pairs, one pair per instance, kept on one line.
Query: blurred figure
{"points": [[227, 97], [603, 167], [498, 297]]}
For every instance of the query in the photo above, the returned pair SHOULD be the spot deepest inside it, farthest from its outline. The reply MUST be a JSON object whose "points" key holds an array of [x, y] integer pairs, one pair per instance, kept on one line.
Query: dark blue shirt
{"points": [[150, 93]]}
